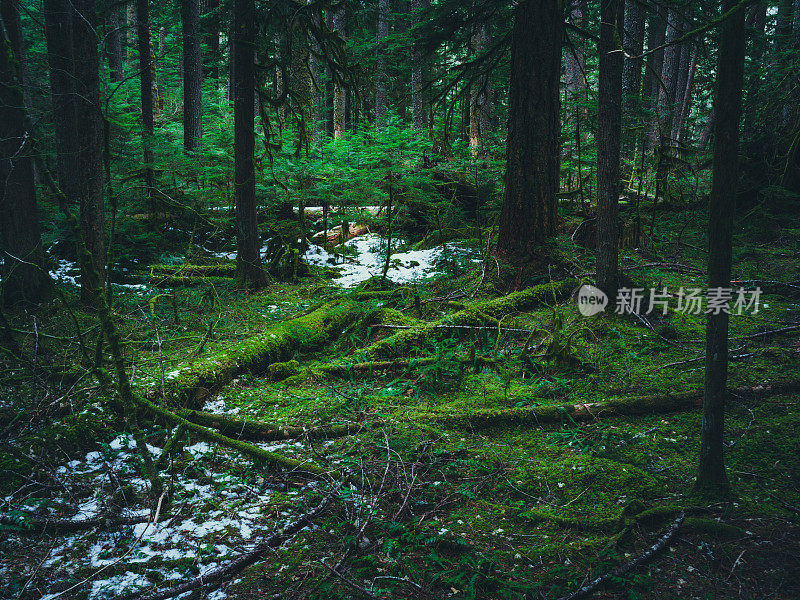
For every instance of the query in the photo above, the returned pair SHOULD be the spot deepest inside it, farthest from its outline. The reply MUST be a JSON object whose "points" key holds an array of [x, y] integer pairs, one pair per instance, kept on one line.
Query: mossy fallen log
{"points": [[259, 455], [249, 429], [476, 314], [227, 269], [178, 281], [590, 411], [279, 343]]}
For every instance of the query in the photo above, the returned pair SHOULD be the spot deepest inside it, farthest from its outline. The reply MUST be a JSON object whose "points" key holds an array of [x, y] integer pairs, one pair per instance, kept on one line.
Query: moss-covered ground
{"points": [[430, 510]]}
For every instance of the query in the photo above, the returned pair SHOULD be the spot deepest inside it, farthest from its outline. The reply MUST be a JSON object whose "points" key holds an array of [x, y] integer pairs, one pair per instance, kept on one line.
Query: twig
{"points": [[350, 582]]}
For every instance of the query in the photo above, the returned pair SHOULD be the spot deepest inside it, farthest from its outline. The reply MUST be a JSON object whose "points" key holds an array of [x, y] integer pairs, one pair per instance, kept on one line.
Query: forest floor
{"points": [[512, 450]]}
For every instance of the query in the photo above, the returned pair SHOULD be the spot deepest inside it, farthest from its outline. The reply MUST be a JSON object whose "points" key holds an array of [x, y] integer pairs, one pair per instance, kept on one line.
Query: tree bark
{"points": [[653, 64], [339, 92], [25, 275], [89, 140], [528, 213], [192, 76], [147, 84], [686, 102], [381, 80], [609, 119], [662, 120], [712, 480], [114, 46], [248, 260]]}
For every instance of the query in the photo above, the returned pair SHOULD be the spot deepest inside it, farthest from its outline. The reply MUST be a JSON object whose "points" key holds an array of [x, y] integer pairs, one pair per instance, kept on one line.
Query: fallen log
{"points": [[259, 455], [193, 381], [62, 526], [254, 430], [474, 315], [629, 406]]}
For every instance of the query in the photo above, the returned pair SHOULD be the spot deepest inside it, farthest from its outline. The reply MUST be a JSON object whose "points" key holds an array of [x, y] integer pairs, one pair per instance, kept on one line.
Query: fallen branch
{"points": [[240, 564], [63, 526], [631, 405], [648, 554], [474, 315], [258, 430], [258, 454]]}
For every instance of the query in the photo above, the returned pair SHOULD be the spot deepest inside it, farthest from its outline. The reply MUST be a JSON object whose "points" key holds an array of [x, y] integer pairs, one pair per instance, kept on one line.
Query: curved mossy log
{"points": [[249, 429], [476, 314], [628, 406], [259, 455], [254, 355]]}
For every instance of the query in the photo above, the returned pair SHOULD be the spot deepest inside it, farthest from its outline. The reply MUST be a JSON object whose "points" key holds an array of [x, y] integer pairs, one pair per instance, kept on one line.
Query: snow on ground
{"points": [[370, 250], [214, 517]]}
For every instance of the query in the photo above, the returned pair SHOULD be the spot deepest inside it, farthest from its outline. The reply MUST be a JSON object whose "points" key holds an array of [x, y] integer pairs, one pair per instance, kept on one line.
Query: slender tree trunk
{"points": [[479, 96], [89, 139], [609, 127], [302, 86], [417, 75], [574, 58], [192, 76], [317, 70], [632, 74], [662, 121], [686, 102], [712, 481], [652, 72], [211, 27], [130, 33], [114, 45], [528, 213], [25, 275], [339, 92], [58, 31], [248, 260], [147, 84], [381, 80]]}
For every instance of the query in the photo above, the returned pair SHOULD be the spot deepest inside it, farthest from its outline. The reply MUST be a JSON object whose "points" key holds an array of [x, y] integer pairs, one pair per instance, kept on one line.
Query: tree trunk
{"points": [[712, 480], [211, 27], [114, 46], [25, 274], [528, 213], [89, 139], [686, 102], [574, 58], [652, 72], [609, 127], [147, 84], [130, 33], [339, 92], [192, 76], [632, 73], [479, 96], [58, 31], [381, 80], [662, 121], [248, 260], [419, 121]]}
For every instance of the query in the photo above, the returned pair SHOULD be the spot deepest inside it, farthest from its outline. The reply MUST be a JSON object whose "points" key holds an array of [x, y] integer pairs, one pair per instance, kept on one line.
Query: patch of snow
{"points": [[404, 267]]}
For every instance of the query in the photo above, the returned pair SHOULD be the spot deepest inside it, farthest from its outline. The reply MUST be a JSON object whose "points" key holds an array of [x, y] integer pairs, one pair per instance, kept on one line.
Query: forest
{"points": [[400, 299]]}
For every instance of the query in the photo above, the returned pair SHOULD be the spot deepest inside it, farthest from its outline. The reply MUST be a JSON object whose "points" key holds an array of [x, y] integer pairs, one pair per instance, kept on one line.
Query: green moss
{"points": [[284, 370]]}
